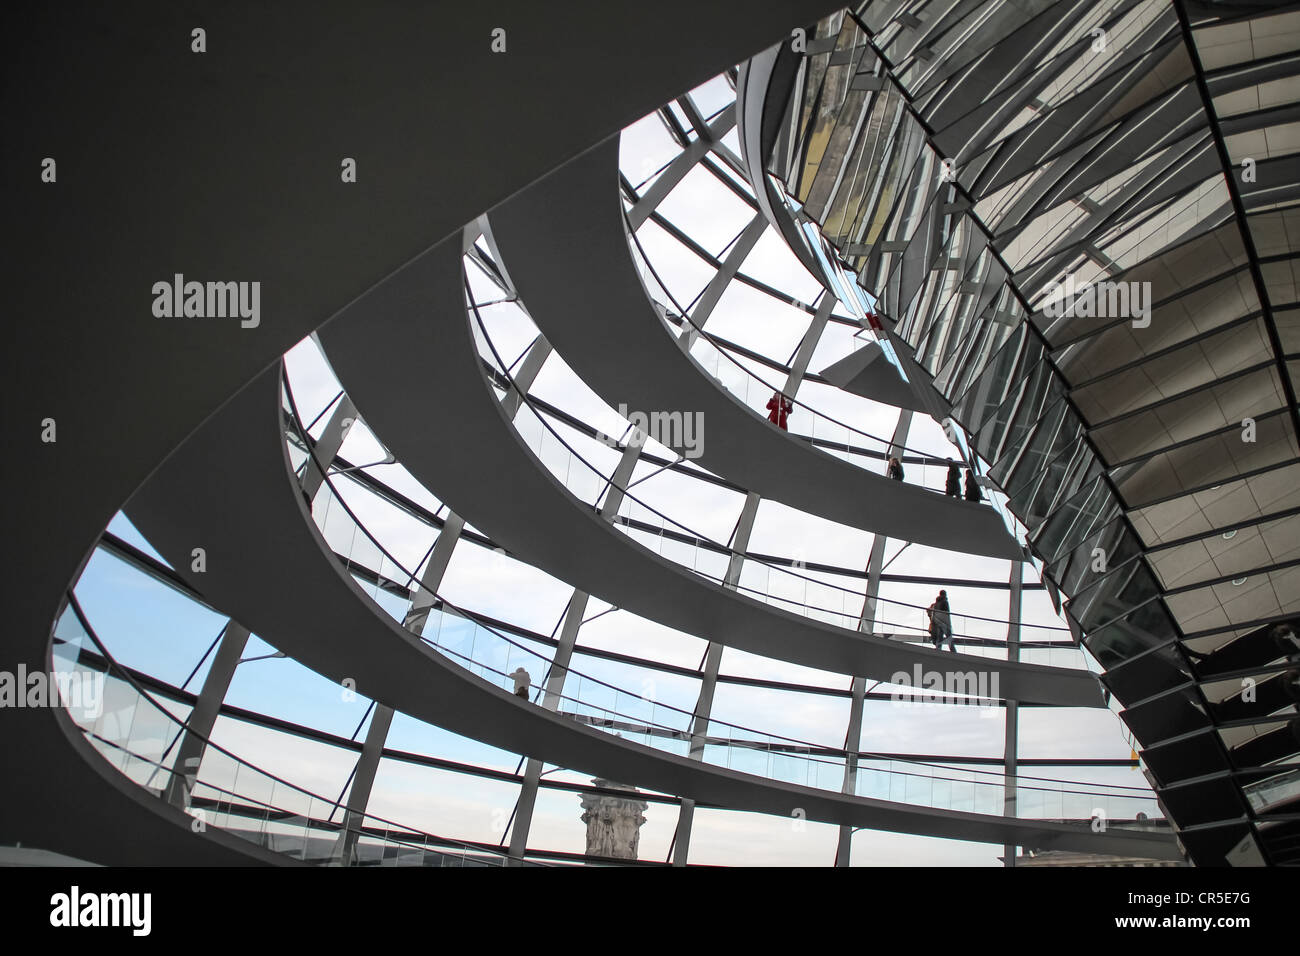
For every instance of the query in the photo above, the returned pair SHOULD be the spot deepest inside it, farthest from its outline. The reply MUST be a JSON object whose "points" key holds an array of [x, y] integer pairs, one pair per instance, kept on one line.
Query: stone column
{"points": [[613, 823]]}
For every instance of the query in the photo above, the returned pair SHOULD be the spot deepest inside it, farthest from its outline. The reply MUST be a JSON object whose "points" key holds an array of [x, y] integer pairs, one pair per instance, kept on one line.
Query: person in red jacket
{"points": [[779, 408]]}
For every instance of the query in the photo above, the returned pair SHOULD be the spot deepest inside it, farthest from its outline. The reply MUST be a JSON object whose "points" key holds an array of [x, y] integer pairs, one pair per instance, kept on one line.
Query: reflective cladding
{"points": [[1145, 143], [1101, 554]]}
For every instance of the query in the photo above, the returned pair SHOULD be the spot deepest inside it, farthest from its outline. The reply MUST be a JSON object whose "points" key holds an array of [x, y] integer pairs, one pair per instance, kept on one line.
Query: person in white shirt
{"points": [[522, 682]]}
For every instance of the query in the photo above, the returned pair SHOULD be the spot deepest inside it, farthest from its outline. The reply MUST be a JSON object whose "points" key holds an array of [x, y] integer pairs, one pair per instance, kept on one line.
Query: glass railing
{"points": [[951, 312], [490, 654], [1066, 655], [863, 449], [772, 584], [974, 791], [788, 590], [832, 435], [1271, 793], [487, 652], [136, 734]]}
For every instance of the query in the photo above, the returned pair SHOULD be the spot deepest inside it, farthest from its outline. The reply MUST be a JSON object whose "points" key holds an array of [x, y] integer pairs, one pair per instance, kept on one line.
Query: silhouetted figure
{"points": [[779, 408], [523, 681], [895, 470], [941, 622], [952, 487], [972, 487], [1287, 641]]}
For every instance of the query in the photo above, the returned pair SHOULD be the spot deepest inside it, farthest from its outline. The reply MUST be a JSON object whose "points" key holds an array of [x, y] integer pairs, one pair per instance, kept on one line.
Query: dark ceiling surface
{"points": [[225, 166]]}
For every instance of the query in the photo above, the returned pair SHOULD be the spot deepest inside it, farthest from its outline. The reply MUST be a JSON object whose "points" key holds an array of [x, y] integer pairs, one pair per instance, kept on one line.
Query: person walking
{"points": [[523, 681], [972, 487], [941, 622], [952, 487], [779, 408], [895, 470]]}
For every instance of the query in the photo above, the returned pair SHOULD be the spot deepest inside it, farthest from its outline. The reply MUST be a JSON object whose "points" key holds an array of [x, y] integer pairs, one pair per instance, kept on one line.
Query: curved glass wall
{"points": [[628, 676]]}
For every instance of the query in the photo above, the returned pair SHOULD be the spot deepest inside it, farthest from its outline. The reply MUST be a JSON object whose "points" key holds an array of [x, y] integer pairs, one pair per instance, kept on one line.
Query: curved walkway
{"points": [[169, 375], [867, 373], [565, 246], [404, 352], [292, 592]]}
